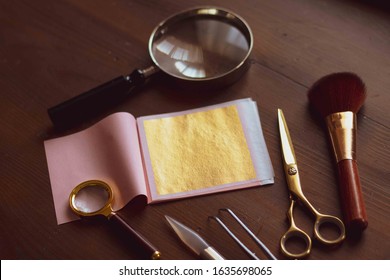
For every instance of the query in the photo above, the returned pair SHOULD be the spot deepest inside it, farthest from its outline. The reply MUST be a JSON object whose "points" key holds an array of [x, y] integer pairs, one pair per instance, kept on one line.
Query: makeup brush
{"points": [[337, 98]]}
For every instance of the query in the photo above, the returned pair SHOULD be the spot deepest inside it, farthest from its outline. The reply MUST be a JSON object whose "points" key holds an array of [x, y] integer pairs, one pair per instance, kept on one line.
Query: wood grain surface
{"points": [[51, 51]]}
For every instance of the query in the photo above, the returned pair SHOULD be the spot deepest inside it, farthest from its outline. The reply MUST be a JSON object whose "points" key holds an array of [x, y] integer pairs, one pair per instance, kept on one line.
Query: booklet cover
{"points": [[163, 157]]}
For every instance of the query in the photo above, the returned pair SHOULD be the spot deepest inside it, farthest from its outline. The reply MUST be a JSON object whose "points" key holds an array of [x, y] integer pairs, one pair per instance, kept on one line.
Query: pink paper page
{"points": [[108, 151]]}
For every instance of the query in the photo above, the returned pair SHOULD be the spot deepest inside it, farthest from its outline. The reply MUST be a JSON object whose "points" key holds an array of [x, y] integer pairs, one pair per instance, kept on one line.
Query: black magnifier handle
{"points": [[93, 102], [147, 248]]}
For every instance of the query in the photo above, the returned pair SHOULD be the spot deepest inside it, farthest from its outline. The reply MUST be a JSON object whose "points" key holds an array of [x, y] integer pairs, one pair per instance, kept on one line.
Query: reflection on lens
{"points": [[199, 48], [91, 198], [190, 71]]}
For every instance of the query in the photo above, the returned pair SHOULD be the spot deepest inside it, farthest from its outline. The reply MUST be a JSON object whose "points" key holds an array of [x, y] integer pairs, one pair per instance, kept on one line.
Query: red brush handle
{"points": [[351, 196]]}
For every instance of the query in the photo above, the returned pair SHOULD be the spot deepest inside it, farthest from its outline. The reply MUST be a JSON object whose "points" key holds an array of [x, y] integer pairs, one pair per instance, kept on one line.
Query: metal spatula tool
{"points": [[238, 241]]}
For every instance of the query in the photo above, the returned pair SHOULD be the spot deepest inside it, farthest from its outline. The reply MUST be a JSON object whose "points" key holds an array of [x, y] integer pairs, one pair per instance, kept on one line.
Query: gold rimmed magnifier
{"points": [[94, 197], [202, 48]]}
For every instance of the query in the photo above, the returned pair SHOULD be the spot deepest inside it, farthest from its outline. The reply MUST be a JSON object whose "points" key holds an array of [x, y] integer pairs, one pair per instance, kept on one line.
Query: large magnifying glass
{"points": [[94, 197], [203, 47]]}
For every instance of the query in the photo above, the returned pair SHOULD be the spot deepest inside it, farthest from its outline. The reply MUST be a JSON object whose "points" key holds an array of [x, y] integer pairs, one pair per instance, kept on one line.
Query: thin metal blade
{"points": [[189, 237], [287, 147]]}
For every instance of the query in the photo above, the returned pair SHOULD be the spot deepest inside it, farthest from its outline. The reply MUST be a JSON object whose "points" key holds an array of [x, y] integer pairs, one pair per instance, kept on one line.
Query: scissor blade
{"points": [[287, 146]]}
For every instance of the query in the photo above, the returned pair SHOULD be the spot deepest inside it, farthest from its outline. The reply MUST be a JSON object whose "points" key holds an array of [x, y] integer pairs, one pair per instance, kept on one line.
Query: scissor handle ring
{"points": [[322, 219], [298, 233]]}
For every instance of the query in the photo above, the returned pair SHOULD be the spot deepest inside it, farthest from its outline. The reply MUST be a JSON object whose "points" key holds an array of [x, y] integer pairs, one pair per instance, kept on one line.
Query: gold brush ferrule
{"points": [[342, 130]]}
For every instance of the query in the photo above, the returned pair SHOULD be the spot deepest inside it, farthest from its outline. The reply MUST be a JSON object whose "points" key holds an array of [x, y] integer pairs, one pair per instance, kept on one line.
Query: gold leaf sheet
{"points": [[198, 150]]}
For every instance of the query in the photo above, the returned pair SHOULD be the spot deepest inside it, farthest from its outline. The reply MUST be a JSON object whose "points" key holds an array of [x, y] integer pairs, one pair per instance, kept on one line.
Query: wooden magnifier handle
{"points": [[148, 248], [351, 196]]}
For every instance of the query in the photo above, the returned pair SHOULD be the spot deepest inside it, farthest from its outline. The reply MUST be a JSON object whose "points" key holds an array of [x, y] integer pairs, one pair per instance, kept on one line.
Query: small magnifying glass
{"points": [[201, 48], [94, 197]]}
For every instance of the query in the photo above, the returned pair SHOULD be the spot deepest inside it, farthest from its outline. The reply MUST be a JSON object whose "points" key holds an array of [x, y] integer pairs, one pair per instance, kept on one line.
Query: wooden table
{"points": [[53, 50]]}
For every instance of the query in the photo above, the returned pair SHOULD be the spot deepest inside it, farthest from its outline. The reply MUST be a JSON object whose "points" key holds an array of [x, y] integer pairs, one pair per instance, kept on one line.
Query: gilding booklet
{"points": [[163, 157]]}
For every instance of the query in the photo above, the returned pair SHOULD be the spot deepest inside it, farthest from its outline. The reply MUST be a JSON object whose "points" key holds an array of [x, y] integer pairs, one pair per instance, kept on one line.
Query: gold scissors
{"points": [[296, 194]]}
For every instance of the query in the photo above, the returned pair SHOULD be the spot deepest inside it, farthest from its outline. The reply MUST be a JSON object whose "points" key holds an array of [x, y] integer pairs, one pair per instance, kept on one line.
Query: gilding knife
{"points": [[194, 241]]}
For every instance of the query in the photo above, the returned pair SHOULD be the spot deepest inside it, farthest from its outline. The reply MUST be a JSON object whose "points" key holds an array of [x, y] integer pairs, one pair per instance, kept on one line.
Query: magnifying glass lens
{"points": [[94, 197], [90, 199], [199, 48]]}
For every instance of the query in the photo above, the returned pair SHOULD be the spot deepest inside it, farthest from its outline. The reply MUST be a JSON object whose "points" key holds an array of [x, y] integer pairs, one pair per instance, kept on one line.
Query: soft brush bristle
{"points": [[338, 92]]}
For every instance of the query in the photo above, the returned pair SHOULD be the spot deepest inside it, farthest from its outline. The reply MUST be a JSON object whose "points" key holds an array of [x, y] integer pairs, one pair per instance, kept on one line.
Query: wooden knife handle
{"points": [[354, 210]]}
